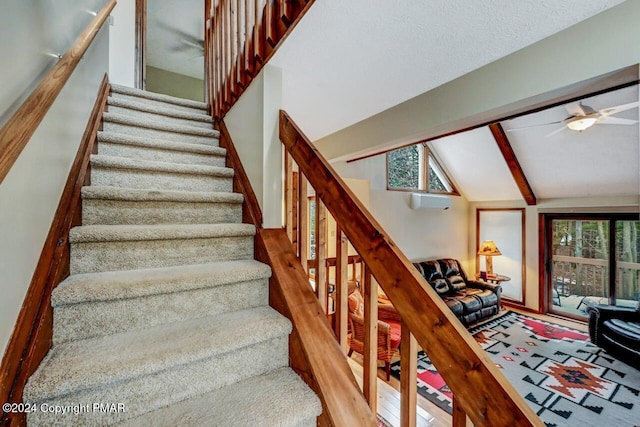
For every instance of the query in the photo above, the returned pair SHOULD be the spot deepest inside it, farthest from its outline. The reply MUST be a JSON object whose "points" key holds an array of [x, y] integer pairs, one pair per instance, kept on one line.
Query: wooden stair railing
{"points": [[240, 37], [313, 351], [480, 390]]}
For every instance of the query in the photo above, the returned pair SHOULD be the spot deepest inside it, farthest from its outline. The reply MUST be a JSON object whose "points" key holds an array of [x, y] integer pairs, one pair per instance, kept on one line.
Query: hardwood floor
{"points": [[428, 414]]}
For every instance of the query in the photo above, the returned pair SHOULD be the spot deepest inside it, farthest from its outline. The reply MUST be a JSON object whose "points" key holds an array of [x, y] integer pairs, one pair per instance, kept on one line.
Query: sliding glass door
{"points": [[591, 260], [627, 268]]}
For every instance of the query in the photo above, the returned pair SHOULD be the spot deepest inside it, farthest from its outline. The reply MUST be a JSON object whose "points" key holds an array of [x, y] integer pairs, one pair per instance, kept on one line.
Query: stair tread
{"points": [[125, 90], [121, 138], [120, 285], [277, 398], [148, 108], [96, 362], [115, 162], [159, 125], [110, 233], [136, 194]]}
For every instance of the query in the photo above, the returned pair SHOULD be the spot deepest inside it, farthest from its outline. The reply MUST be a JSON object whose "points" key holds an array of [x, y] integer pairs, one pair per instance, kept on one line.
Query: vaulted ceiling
{"points": [[603, 160]]}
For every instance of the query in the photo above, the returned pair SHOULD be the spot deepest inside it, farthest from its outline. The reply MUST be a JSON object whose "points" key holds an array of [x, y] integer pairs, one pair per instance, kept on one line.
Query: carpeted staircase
{"points": [[165, 311]]}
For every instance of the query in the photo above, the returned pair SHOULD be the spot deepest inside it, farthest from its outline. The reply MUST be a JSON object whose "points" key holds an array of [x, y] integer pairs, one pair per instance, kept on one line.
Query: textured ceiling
{"points": [[476, 166], [603, 160], [173, 26], [348, 60]]}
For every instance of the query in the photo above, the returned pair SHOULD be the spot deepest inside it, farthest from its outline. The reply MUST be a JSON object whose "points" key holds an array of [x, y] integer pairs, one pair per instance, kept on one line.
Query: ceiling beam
{"points": [[512, 162]]}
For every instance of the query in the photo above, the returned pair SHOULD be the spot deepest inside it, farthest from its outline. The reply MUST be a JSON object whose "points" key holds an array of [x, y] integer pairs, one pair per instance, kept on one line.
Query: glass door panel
{"points": [[627, 263], [579, 265]]}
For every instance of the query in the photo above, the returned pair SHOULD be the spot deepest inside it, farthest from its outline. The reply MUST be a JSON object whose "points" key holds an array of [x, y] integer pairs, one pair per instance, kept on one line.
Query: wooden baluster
{"points": [[207, 52], [408, 377], [229, 57], [459, 417], [219, 74], [250, 20], [224, 34], [288, 195], [258, 31], [342, 288], [370, 384], [321, 253], [295, 203], [271, 24], [233, 35], [240, 21], [286, 12], [303, 221]]}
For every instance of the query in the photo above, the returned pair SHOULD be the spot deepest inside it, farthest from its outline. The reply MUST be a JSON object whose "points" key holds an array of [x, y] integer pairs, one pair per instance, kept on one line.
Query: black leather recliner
{"points": [[469, 300], [617, 330]]}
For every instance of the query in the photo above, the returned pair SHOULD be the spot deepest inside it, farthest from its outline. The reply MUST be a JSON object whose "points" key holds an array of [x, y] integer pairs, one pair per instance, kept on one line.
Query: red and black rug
{"points": [[565, 379]]}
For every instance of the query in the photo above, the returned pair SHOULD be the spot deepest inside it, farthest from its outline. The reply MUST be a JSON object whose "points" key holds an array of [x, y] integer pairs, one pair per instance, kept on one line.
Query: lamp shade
{"points": [[489, 248]]}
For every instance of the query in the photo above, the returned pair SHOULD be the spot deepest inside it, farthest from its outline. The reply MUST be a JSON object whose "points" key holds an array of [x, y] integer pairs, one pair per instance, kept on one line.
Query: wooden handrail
{"points": [[481, 390], [242, 36], [17, 132], [313, 351]]}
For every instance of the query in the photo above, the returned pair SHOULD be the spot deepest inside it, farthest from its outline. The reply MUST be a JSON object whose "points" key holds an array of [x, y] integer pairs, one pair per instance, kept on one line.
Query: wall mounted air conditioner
{"points": [[429, 201]]}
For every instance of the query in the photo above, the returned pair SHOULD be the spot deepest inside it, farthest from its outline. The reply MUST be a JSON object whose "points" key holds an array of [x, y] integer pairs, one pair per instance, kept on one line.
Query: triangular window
{"points": [[406, 171]]}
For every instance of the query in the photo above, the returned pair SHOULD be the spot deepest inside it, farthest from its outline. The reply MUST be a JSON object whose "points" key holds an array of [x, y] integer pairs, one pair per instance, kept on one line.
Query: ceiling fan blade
{"points": [[192, 44], [183, 35], [557, 131], [534, 126], [574, 109], [608, 120], [618, 109]]}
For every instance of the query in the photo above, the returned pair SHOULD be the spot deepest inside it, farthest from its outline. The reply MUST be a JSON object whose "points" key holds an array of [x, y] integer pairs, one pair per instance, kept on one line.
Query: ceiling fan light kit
{"points": [[580, 123]]}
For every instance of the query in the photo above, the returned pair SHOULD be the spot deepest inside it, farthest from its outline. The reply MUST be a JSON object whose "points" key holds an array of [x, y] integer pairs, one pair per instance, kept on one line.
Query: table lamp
{"points": [[489, 249]]}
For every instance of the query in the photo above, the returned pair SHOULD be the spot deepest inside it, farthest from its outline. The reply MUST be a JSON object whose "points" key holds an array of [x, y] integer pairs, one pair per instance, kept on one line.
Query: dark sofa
{"points": [[470, 300], [617, 330]]}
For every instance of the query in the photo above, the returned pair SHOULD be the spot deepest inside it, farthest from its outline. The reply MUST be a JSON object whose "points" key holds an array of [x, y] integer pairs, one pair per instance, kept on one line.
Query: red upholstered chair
{"points": [[388, 329]]}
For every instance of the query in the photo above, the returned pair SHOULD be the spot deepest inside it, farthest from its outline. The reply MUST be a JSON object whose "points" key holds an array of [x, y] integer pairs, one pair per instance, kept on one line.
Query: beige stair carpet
{"points": [[164, 319]]}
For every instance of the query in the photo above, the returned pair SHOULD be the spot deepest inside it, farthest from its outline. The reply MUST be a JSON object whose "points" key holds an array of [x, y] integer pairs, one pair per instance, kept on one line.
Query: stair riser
{"points": [[154, 391], [99, 318], [120, 212], [159, 117], [158, 104], [152, 180], [160, 134], [92, 257], [149, 153]]}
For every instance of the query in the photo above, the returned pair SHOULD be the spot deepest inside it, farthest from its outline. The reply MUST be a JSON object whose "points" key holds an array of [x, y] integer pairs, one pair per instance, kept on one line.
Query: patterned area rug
{"points": [[382, 422], [565, 379]]}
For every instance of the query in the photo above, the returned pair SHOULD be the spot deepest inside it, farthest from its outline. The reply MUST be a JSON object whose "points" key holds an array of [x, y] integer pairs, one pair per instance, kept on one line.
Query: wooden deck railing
{"points": [[480, 390], [240, 37], [17, 132]]}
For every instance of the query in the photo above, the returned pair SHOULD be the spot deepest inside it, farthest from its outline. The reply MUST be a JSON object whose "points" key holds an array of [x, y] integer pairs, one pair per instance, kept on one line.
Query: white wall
{"points": [[29, 43], [122, 44], [30, 193], [420, 234], [253, 125]]}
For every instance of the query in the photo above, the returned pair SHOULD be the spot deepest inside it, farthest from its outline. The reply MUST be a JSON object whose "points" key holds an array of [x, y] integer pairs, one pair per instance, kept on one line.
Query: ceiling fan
{"points": [[187, 41], [582, 117]]}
